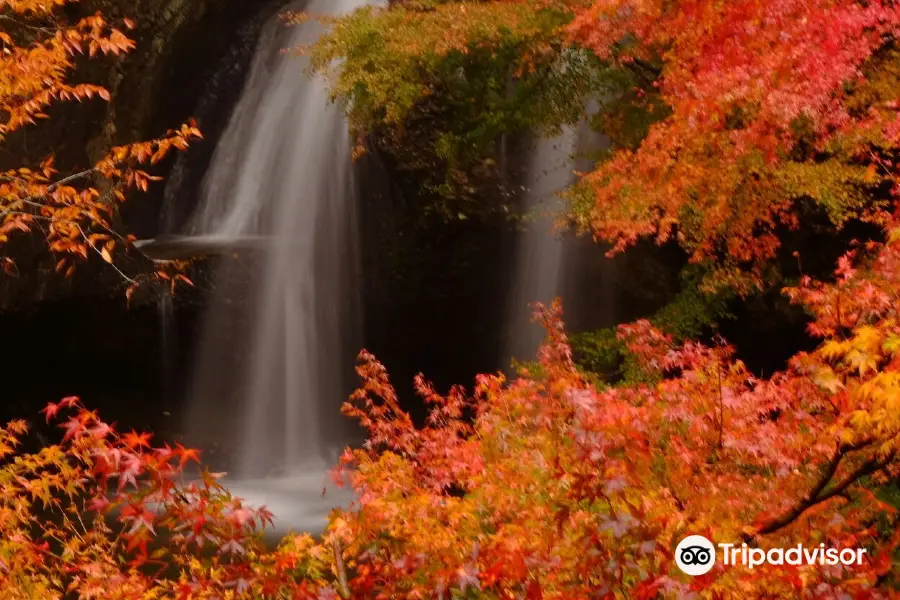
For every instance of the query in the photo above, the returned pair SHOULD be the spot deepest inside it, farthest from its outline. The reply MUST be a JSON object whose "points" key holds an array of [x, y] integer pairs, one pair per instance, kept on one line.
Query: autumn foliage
{"points": [[543, 487], [769, 104], [558, 489], [550, 485], [73, 211]]}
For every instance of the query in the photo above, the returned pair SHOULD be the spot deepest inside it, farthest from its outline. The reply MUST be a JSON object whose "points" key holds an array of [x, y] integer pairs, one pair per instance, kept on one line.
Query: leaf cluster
{"points": [[469, 72], [74, 212]]}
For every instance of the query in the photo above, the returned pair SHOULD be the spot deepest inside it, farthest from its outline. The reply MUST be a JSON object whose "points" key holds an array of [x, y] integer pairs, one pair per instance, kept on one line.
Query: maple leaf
{"points": [[242, 516], [100, 430], [186, 454], [232, 546], [73, 427], [70, 402], [99, 504], [51, 410], [135, 440], [129, 470], [142, 520]]}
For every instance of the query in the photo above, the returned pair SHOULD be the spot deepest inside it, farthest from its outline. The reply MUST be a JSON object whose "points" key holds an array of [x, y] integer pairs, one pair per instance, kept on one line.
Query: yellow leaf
{"points": [[847, 436], [826, 379], [833, 349]]}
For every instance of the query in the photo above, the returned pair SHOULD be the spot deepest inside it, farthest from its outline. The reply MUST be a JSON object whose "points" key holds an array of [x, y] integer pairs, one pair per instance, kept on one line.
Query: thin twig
{"points": [[100, 254]]}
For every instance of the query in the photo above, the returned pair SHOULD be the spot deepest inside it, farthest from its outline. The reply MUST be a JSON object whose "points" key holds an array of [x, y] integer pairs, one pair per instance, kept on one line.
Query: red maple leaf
{"points": [[135, 440], [69, 401], [50, 410], [186, 454]]}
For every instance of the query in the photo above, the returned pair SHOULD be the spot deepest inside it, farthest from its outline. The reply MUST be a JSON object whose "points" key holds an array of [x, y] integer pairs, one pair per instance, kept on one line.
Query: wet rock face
{"points": [[190, 62], [178, 43]]}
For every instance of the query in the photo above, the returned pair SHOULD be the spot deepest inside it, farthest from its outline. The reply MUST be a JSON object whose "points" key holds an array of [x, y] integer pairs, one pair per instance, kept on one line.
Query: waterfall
{"points": [[276, 353], [167, 331], [540, 248]]}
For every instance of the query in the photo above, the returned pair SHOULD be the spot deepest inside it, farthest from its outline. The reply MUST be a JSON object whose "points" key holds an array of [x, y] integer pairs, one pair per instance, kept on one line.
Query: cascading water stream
{"points": [[167, 343], [540, 248], [281, 176]]}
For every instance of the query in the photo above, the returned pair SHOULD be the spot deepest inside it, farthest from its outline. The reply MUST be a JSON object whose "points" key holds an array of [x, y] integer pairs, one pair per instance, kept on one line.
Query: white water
{"points": [[540, 247], [281, 175]]}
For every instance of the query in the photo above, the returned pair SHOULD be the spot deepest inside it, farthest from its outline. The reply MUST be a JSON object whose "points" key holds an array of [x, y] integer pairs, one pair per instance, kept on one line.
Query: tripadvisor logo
{"points": [[696, 555]]}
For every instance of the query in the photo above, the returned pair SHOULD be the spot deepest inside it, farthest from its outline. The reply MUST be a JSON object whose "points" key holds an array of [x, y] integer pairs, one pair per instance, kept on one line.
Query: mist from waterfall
{"points": [[277, 348], [540, 247]]}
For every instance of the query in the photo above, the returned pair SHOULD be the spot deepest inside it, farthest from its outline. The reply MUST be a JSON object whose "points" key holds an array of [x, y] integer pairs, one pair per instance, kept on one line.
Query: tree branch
{"points": [[818, 493], [343, 588], [807, 502], [75, 176], [869, 467], [647, 66]]}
